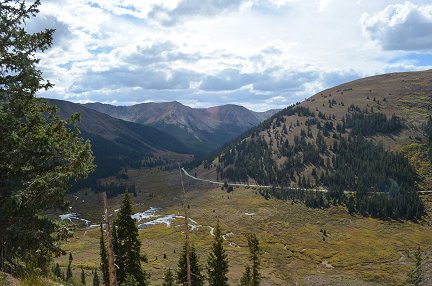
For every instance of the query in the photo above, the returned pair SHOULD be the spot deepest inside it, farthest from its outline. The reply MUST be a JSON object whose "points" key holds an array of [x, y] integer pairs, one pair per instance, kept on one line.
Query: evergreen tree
{"points": [[246, 279], [254, 250], [197, 278], [127, 246], [96, 281], [69, 268], [168, 278], [40, 155], [103, 257], [130, 281], [83, 280], [217, 262], [57, 271]]}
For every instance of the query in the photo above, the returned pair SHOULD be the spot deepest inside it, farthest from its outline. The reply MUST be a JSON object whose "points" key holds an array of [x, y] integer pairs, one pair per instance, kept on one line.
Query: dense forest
{"points": [[329, 153]]}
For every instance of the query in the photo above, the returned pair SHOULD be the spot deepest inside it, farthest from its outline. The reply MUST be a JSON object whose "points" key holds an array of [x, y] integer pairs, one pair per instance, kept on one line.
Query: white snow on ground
{"points": [[250, 214], [74, 216], [211, 230], [227, 235], [150, 213], [168, 220]]}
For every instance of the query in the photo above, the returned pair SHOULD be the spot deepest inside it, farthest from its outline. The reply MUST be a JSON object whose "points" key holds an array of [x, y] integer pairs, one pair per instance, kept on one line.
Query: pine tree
{"points": [[254, 250], [96, 281], [217, 262], [103, 257], [197, 278], [83, 280], [168, 278], [57, 271], [130, 281], [127, 246], [40, 154], [246, 279], [69, 268]]}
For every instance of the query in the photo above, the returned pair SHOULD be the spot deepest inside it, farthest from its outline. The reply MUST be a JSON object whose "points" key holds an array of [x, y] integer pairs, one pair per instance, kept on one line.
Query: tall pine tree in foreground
{"points": [[197, 278], [217, 262], [40, 154], [127, 246], [103, 257], [252, 277], [246, 278], [254, 250]]}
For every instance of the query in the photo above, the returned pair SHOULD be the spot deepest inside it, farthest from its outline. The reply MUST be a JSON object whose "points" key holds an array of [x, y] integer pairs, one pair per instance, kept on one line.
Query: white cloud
{"points": [[258, 53], [323, 4], [401, 27]]}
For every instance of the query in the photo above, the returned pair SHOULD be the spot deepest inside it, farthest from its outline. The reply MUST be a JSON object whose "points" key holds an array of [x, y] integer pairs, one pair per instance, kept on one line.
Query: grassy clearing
{"points": [[356, 251]]}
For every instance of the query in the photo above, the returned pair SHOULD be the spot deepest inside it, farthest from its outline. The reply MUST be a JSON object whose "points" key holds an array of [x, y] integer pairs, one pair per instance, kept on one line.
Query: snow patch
{"points": [[168, 220], [227, 235], [74, 217], [150, 213]]}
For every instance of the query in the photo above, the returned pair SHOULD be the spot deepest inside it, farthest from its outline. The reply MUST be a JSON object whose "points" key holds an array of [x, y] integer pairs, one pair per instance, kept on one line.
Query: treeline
{"points": [[312, 199]]}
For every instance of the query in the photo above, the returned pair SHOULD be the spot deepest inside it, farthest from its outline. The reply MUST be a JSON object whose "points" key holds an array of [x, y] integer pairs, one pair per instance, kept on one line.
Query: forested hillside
{"points": [[357, 137], [118, 144]]}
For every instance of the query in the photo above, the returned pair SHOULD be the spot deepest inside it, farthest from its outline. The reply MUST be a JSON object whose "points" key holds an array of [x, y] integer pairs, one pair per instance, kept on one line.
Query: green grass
{"points": [[357, 250]]}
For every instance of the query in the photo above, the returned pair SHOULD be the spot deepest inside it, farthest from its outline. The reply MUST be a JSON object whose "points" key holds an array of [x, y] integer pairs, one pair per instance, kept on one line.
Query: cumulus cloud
{"points": [[258, 53], [401, 27]]}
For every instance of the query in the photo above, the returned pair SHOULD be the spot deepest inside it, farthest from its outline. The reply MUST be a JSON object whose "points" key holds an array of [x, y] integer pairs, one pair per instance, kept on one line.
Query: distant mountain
{"points": [[372, 135], [201, 129], [117, 143]]}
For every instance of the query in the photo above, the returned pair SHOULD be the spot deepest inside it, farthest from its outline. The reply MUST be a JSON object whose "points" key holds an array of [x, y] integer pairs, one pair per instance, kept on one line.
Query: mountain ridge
{"points": [[203, 129], [117, 143]]}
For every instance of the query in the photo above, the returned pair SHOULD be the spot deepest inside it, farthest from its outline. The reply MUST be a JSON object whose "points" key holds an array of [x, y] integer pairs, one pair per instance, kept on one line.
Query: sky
{"points": [[261, 54]]}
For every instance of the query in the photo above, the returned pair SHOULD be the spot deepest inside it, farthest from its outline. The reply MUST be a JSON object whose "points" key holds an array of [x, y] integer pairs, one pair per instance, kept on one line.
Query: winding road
{"points": [[251, 185], [264, 186]]}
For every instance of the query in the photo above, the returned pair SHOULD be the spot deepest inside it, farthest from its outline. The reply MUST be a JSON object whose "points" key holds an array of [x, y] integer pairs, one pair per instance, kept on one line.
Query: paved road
{"points": [[264, 186], [249, 185]]}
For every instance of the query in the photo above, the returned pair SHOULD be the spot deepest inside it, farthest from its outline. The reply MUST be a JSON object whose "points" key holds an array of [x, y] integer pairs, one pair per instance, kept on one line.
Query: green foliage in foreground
{"points": [[40, 154], [127, 247], [252, 276], [197, 277], [217, 262]]}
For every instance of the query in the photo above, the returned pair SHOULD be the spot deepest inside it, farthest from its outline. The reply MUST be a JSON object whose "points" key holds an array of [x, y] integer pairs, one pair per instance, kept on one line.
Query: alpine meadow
{"points": [[195, 143]]}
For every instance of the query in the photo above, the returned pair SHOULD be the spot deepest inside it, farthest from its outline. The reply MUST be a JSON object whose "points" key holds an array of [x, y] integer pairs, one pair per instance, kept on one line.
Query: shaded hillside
{"points": [[319, 142], [201, 129], [117, 143]]}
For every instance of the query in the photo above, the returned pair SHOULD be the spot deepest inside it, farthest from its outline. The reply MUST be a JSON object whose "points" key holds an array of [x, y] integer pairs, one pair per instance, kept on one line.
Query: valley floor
{"points": [[355, 251]]}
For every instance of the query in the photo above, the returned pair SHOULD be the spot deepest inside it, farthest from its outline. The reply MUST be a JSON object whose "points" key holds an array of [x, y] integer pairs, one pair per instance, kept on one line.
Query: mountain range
{"points": [[161, 134], [201, 129]]}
